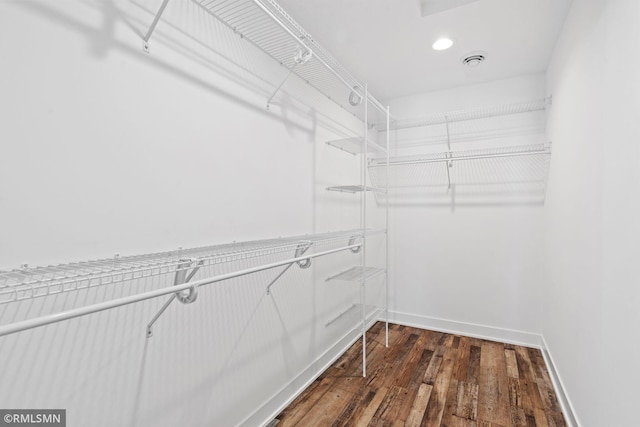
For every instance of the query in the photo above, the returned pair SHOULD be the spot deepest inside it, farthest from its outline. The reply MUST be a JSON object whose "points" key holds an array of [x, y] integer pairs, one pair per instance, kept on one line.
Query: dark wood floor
{"points": [[428, 378]]}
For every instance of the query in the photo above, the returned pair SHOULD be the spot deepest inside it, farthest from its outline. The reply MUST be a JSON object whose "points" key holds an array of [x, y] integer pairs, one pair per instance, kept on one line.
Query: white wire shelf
{"points": [[354, 146], [265, 24], [355, 189], [484, 153], [357, 274], [470, 114], [24, 284], [515, 164]]}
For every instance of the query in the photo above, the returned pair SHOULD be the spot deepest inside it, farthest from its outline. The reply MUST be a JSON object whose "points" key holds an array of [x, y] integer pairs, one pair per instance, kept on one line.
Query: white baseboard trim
{"points": [[492, 333], [267, 412], [567, 408]]}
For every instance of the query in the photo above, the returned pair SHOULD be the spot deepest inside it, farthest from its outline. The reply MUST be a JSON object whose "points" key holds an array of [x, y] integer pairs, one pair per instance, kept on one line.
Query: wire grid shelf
{"points": [[354, 146], [18, 285], [355, 189], [471, 114], [357, 274], [270, 28], [514, 164]]}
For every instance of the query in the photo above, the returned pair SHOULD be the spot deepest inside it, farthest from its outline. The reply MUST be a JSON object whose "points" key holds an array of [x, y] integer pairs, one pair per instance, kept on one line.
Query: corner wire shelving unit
{"points": [[179, 266], [365, 273], [267, 26], [533, 158]]}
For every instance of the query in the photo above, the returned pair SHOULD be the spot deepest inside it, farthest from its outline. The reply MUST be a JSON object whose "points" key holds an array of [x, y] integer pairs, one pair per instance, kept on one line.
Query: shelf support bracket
{"points": [[301, 57], [185, 297], [449, 163], [145, 44], [300, 250], [280, 86]]}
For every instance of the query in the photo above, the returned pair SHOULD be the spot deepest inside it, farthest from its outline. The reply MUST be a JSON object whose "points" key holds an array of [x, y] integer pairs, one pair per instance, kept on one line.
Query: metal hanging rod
{"points": [[471, 114], [107, 305], [449, 157]]}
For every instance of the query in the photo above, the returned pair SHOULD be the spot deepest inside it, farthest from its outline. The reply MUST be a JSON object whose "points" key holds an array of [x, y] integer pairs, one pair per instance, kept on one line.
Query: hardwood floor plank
{"points": [[365, 417], [515, 394], [419, 405], [488, 424], [413, 360], [435, 408], [462, 364], [414, 384], [493, 395], [467, 400], [450, 404], [518, 417], [555, 419], [326, 410], [512, 364], [528, 385], [461, 422], [540, 418], [473, 372], [531, 421], [390, 405], [307, 400], [432, 370]]}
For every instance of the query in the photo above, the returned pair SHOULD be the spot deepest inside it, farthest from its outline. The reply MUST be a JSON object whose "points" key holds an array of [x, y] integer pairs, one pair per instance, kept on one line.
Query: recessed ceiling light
{"points": [[442, 44]]}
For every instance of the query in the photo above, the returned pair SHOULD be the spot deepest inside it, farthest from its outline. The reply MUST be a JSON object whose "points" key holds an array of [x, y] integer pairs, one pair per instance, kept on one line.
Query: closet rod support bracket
{"points": [[186, 297], [306, 263], [145, 40]]}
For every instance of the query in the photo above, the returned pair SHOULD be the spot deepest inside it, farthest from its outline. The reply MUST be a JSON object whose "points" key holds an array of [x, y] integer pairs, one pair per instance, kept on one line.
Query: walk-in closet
{"points": [[244, 213]]}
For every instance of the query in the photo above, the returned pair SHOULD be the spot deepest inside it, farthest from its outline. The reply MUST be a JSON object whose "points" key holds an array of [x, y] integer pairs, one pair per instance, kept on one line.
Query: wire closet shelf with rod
{"points": [[497, 153], [179, 275]]}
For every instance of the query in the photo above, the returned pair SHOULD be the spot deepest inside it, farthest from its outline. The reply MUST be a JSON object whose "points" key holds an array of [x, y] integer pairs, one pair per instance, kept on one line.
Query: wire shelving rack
{"points": [[266, 25], [503, 165], [28, 283]]}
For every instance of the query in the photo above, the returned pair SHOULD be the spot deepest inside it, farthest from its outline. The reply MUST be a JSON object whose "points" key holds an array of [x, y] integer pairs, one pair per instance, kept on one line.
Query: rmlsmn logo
{"points": [[33, 417]]}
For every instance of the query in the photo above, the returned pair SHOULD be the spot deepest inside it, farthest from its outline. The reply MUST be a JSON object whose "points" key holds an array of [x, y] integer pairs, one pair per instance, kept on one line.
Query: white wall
{"points": [[591, 224], [474, 258], [106, 149]]}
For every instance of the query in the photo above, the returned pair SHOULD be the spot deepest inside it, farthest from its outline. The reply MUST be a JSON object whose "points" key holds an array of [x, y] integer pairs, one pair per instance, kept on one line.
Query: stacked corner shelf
{"points": [[365, 273]]}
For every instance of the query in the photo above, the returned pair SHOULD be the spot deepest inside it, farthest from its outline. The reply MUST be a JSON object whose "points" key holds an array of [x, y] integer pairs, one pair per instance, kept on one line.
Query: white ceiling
{"points": [[387, 43]]}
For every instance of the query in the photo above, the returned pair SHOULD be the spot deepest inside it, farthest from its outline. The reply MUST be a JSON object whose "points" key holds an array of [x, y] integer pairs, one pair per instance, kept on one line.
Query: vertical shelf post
{"points": [[386, 273], [363, 284]]}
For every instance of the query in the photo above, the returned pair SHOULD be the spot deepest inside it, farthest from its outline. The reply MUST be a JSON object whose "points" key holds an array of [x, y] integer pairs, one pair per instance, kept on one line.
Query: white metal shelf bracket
{"points": [[145, 44], [352, 241], [305, 263], [187, 296], [449, 164], [301, 57]]}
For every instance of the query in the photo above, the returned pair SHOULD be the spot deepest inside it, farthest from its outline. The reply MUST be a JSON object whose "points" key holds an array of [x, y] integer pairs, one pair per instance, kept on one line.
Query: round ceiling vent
{"points": [[474, 59]]}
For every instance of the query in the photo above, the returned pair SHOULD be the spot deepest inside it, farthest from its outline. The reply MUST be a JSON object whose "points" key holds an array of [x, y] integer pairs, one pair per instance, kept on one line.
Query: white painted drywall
{"points": [[107, 149], [477, 259], [591, 226]]}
